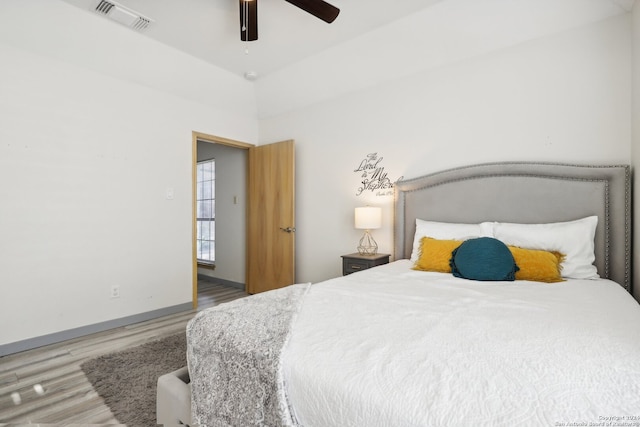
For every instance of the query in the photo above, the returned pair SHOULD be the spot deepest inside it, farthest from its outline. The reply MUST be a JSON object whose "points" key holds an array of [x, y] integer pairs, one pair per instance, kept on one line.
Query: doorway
{"points": [[229, 265], [269, 211]]}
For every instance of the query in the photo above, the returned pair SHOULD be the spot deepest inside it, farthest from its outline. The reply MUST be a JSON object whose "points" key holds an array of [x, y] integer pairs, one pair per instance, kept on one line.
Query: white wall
{"points": [[86, 157], [93, 130], [635, 16], [231, 207], [562, 98], [443, 33]]}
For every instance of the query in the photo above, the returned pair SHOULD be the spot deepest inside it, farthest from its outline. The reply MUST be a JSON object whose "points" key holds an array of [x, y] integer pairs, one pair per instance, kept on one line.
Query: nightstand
{"points": [[356, 262]]}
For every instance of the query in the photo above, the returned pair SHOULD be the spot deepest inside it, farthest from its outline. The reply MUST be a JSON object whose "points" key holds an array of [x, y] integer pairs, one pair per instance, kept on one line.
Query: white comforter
{"points": [[395, 347]]}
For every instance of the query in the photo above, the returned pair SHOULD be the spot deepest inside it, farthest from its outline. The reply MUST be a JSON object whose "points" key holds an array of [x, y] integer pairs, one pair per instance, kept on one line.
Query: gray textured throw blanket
{"points": [[233, 353]]}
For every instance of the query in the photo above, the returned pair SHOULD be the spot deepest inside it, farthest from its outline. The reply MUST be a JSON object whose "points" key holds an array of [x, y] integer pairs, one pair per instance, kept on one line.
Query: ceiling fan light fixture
{"points": [[248, 20], [249, 15]]}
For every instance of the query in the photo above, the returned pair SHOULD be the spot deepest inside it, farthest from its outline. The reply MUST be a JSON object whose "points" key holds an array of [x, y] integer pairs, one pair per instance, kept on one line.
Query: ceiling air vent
{"points": [[122, 15]]}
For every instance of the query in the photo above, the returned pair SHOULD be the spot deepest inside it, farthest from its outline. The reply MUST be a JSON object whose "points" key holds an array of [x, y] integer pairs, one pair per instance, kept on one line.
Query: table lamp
{"points": [[368, 218]]}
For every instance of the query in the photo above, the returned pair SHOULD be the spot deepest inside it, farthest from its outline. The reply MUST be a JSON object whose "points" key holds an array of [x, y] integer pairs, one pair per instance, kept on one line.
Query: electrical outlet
{"points": [[115, 291]]}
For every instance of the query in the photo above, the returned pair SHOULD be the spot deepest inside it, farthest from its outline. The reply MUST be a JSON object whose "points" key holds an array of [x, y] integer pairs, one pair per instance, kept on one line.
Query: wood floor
{"points": [[65, 396]]}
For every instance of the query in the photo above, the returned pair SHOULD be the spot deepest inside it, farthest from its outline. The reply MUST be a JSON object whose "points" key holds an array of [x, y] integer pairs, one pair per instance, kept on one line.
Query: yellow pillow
{"points": [[435, 254], [537, 265]]}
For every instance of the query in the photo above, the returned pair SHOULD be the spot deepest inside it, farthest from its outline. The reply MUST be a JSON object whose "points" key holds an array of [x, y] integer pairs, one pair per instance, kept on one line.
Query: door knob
{"points": [[288, 229]]}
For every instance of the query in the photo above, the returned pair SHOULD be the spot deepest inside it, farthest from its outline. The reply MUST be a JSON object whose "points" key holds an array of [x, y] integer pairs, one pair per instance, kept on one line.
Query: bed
{"points": [[397, 346]]}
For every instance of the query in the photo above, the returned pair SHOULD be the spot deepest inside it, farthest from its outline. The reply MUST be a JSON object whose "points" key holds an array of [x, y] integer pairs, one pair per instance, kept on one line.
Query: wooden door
{"points": [[271, 217]]}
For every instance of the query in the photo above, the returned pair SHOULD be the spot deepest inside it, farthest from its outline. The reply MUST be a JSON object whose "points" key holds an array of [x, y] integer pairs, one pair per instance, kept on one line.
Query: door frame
{"points": [[213, 139]]}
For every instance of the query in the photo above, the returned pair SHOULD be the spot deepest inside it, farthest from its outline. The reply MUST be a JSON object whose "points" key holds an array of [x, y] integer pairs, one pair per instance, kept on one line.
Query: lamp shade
{"points": [[368, 218]]}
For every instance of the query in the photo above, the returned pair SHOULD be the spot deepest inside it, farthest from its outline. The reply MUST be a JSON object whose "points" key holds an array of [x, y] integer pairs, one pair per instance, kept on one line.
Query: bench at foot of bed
{"points": [[173, 398]]}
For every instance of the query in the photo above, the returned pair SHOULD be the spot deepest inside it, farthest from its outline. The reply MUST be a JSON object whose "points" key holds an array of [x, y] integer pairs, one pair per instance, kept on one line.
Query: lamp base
{"points": [[367, 245]]}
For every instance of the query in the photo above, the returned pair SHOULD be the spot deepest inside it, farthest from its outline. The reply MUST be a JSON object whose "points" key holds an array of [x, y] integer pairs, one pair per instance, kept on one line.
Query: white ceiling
{"points": [[298, 57], [210, 29]]}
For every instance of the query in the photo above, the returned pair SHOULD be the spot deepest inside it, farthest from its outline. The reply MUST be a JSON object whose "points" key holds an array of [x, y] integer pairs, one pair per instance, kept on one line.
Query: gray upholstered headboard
{"points": [[525, 193]]}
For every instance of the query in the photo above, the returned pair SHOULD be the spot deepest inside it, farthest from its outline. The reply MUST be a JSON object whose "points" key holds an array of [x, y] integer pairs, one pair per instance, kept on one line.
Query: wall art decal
{"points": [[373, 177]]}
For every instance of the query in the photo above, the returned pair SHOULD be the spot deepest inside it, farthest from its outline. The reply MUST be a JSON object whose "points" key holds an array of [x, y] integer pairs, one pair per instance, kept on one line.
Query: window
{"points": [[206, 212]]}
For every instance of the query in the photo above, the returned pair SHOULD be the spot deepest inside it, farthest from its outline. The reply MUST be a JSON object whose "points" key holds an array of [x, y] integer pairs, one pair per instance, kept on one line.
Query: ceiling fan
{"points": [[249, 15]]}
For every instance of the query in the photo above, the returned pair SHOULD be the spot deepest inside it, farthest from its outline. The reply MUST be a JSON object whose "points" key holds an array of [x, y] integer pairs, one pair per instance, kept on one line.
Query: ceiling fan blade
{"points": [[318, 8], [248, 20]]}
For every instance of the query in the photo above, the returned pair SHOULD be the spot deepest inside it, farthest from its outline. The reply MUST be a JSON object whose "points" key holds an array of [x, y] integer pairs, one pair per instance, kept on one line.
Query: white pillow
{"points": [[574, 239], [447, 231]]}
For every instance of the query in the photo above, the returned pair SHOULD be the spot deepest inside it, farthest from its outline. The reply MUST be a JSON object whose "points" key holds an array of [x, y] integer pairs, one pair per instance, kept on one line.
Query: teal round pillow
{"points": [[484, 258]]}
